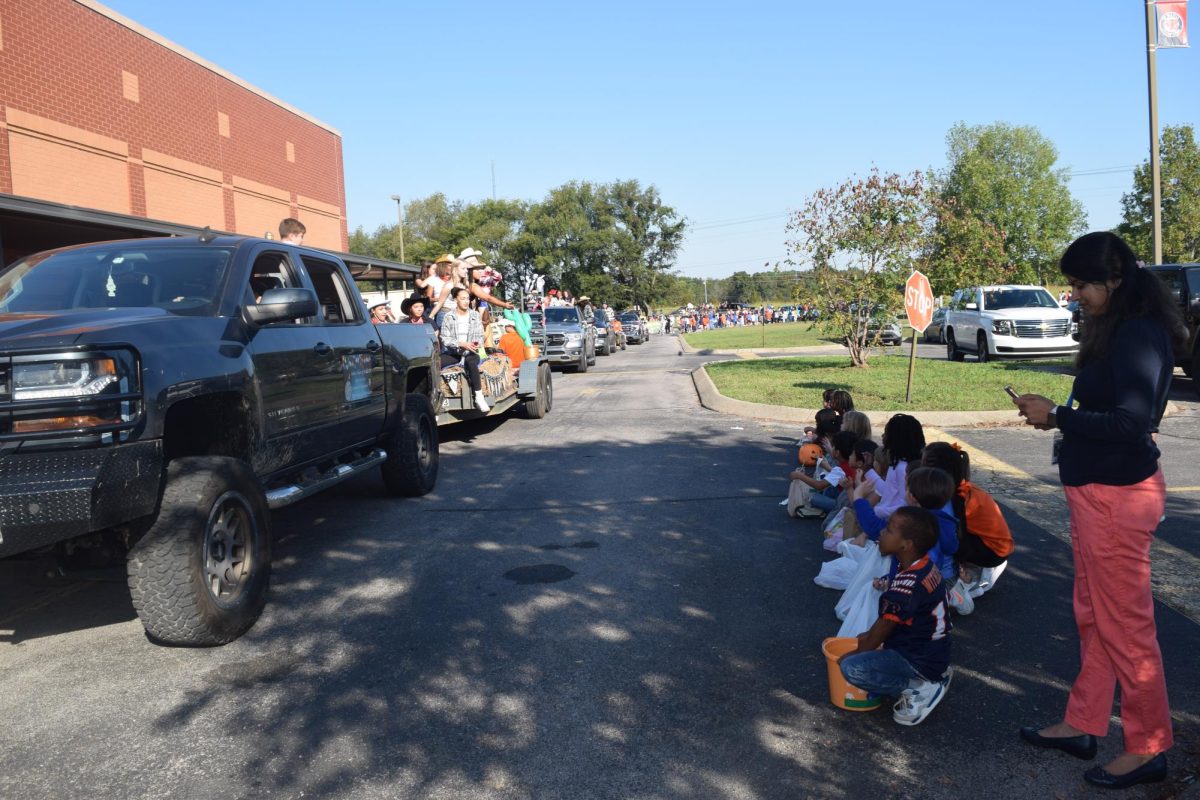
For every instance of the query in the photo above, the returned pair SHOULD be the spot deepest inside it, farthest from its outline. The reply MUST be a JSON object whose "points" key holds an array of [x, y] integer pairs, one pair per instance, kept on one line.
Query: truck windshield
{"points": [[562, 315], [1017, 298], [181, 280]]}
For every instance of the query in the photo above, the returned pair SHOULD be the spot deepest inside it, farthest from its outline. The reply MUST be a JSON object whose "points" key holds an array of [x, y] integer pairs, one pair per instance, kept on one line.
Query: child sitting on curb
{"points": [[913, 626], [818, 494], [931, 489]]}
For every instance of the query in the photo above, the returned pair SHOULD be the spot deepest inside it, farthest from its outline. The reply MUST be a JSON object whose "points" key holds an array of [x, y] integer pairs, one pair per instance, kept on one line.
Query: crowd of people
{"points": [[918, 539], [710, 317]]}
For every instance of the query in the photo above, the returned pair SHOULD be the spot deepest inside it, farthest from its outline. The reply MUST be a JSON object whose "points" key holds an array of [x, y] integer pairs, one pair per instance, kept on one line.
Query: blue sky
{"points": [[736, 112]]}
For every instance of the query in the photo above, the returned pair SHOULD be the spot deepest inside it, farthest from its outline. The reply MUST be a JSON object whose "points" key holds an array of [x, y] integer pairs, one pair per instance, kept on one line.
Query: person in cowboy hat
{"points": [[381, 312], [413, 309], [475, 264]]}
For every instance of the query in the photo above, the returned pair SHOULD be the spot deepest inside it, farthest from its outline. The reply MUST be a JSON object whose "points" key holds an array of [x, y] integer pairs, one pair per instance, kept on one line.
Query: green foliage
{"points": [[863, 238], [963, 249], [1179, 172], [615, 242], [1004, 176]]}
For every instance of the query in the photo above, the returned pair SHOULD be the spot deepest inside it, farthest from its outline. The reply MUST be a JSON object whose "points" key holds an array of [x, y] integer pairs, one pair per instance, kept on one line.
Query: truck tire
{"points": [[538, 406], [606, 350], [411, 468], [592, 361], [952, 351], [1196, 371], [982, 352], [583, 364], [199, 576], [622, 343]]}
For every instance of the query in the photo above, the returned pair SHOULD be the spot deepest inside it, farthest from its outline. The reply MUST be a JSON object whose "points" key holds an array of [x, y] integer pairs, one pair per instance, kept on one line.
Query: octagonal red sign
{"points": [[918, 301]]}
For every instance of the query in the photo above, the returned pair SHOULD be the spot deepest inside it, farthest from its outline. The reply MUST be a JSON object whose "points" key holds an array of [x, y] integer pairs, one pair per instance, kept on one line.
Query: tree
{"points": [[1179, 171], [646, 237], [862, 238], [1004, 176], [962, 249]]}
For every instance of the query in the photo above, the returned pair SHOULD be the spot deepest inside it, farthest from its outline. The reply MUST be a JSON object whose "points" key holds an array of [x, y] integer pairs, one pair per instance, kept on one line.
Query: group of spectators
{"points": [[934, 533], [709, 317]]}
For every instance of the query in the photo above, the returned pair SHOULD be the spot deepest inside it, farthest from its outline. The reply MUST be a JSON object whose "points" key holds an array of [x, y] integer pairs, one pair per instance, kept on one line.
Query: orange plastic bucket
{"points": [[842, 694], [531, 351]]}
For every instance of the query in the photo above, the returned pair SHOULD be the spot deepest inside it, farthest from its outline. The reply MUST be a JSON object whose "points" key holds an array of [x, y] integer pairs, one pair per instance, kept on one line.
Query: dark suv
{"points": [[1183, 281]]}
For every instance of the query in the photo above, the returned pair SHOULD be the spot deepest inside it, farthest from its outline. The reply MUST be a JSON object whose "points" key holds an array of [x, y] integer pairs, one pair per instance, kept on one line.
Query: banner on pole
{"points": [[1172, 23]]}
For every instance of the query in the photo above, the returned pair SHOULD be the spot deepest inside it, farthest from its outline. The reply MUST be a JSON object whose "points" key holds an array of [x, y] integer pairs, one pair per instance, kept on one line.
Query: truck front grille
{"points": [[1042, 329]]}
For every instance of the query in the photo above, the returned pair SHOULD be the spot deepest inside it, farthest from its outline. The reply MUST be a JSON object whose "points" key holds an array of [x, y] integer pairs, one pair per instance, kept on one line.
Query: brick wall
{"points": [[96, 112]]}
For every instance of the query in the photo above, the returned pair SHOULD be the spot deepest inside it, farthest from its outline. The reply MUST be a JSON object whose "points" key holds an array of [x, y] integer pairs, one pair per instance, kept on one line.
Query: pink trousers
{"points": [[1111, 529]]}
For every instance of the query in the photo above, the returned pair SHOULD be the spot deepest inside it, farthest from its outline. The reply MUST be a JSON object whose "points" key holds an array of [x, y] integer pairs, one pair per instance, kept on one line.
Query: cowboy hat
{"points": [[409, 302]]}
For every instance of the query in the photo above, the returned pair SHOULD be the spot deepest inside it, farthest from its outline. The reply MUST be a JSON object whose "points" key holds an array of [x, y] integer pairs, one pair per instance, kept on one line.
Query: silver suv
{"points": [[570, 338]]}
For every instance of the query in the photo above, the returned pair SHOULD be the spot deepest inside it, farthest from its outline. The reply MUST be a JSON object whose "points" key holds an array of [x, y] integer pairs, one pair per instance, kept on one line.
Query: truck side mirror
{"points": [[278, 305]]}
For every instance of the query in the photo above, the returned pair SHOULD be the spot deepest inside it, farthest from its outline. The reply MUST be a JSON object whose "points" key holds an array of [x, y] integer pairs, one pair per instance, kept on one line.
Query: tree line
{"points": [[615, 242]]}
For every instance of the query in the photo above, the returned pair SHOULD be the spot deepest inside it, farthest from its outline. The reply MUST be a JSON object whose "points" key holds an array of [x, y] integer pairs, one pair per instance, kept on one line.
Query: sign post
{"points": [[918, 304]]}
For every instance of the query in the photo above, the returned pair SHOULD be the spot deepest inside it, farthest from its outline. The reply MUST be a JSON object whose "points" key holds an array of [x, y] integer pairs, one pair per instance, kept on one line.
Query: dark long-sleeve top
{"points": [[1121, 397]]}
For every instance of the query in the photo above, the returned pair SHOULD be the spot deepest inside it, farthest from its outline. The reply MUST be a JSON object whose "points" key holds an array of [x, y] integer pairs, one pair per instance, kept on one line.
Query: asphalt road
{"points": [[607, 603]]}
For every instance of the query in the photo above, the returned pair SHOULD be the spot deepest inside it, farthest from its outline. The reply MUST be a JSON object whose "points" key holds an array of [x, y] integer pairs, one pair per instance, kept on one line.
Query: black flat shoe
{"points": [[1152, 771], [1081, 746]]}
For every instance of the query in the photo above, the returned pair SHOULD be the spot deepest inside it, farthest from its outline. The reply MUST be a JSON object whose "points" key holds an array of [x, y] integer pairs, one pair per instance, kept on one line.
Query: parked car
{"points": [[1183, 282], [1010, 321], [935, 332], [634, 327], [886, 327], [570, 339], [607, 338]]}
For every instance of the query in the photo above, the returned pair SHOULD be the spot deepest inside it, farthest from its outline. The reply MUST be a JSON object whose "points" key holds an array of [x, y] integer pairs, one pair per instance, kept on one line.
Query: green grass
{"points": [[937, 385], [782, 334]]}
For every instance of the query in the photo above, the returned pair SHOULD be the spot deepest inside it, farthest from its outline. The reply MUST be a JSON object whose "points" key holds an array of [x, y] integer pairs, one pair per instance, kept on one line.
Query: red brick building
{"points": [[98, 114]]}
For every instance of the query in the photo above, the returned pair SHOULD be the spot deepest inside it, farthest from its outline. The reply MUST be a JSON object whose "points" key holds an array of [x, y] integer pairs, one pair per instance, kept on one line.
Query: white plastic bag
{"points": [[871, 566], [864, 610], [836, 574], [833, 529]]}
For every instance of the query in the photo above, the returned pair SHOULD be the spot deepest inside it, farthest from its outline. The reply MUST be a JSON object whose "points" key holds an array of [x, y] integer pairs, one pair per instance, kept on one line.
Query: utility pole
{"points": [[400, 227], [705, 291], [1155, 177]]}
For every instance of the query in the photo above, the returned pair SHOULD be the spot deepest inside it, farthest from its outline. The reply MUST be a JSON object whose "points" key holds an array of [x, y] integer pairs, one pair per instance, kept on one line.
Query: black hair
{"points": [[456, 291], [931, 487], [957, 465], [864, 446], [904, 438], [829, 422], [843, 443], [918, 525], [1103, 256], [827, 396], [841, 401]]}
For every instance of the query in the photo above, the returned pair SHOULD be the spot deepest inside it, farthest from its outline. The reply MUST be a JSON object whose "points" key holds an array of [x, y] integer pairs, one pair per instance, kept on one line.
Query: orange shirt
{"points": [[514, 347], [985, 520]]}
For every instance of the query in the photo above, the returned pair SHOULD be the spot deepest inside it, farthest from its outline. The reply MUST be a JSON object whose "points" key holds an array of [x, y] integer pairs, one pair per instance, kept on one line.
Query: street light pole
{"points": [[1155, 177], [400, 219]]}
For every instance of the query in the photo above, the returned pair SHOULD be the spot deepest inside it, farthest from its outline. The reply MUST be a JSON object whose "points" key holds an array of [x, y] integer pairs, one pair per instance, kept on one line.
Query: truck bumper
{"points": [[558, 355], [50, 496]]}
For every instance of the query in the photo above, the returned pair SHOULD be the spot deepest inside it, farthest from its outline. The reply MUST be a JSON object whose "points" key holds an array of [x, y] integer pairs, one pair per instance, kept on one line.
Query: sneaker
{"points": [[915, 704], [958, 597], [481, 403], [809, 512]]}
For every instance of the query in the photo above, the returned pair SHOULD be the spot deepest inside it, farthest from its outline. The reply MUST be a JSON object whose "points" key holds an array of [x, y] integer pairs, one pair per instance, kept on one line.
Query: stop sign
{"points": [[918, 301]]}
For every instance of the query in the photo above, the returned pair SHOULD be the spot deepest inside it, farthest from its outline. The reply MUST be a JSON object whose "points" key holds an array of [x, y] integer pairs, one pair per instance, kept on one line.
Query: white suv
{"points": [[1007, 322]]}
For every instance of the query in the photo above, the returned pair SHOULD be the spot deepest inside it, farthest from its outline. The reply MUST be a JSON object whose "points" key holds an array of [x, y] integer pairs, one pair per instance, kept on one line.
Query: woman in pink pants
{"points": [[1108, 464]]}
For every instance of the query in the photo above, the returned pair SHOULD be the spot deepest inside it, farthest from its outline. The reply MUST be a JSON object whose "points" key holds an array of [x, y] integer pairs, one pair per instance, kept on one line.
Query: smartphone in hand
{"points": [[1011, 392]]}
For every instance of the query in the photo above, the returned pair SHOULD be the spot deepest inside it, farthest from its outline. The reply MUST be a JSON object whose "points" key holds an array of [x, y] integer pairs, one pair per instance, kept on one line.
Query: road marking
{"points": [[1173, 571], [1181, 489]]}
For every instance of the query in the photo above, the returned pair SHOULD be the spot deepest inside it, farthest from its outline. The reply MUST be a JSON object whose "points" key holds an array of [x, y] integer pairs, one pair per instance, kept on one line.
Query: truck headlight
{"points": [[63, 379], [69, 391], [1003, 327], [574, 338]]}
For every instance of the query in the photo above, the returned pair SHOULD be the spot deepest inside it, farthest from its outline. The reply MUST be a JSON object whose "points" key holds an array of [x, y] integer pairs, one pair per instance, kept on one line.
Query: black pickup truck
{"points": [[160, 395], [1183, 282]]}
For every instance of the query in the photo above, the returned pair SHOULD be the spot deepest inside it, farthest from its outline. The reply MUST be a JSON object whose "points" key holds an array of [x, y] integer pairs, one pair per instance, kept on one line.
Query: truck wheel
{"points": [[982, 352], [411, 468], [622, 344], [592, 361], [1196, 371], [538, 406], [952, 351], [199, 576], [606, 350], [583, 364]]}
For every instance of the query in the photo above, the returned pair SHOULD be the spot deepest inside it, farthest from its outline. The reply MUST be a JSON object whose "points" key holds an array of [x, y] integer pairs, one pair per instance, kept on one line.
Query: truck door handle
{"points": [[322, 349], [372, 345]]}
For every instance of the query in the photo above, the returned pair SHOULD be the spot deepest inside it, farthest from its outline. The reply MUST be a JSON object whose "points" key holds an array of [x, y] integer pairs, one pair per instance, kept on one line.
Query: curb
{"points": [[713, 400], [758, 351]]}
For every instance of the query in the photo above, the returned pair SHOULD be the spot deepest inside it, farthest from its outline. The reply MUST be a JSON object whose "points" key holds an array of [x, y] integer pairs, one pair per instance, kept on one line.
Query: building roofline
{"points": [[142, 30]]}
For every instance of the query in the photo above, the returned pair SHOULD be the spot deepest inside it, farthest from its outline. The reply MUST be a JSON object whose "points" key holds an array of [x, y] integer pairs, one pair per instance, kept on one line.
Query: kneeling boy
{"points": [[914, 662]]}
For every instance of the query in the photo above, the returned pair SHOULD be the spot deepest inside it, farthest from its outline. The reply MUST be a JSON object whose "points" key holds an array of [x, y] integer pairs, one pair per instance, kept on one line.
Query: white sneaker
{"points": [[481, 403], [809, 512], [915, 704], [959, 598]]}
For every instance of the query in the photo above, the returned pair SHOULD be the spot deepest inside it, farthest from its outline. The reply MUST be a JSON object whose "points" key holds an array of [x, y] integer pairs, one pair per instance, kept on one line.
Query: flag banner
{"points": [[1172, 23]]}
